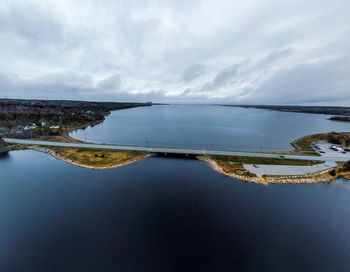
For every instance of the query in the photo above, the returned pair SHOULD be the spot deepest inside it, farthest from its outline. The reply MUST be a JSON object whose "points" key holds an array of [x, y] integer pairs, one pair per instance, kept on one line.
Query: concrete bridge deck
{"points": [[174, 150]]}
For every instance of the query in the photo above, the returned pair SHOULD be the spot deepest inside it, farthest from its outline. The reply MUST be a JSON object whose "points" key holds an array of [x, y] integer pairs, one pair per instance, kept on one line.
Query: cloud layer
{"points": [[268, 52]]}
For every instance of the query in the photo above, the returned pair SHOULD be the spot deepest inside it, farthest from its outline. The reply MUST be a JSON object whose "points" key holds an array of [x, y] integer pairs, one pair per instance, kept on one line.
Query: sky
{"points": [[180, 51]]}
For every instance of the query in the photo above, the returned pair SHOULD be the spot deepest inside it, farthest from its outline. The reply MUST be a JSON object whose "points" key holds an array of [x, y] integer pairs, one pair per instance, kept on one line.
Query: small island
{"points": [[340, 118]]}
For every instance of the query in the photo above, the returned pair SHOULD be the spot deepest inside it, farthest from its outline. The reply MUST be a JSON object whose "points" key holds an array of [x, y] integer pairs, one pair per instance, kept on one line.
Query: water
{"points": [[165, 214], [171, 214], [208, 127]]}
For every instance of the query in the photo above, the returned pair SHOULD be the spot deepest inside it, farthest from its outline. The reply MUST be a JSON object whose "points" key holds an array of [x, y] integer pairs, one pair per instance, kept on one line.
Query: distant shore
{"points": [[329, 110]]}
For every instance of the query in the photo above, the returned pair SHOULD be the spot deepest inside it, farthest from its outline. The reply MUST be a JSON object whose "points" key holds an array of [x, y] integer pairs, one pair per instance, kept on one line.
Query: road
{"points": [[285, 170], [172, 150]]}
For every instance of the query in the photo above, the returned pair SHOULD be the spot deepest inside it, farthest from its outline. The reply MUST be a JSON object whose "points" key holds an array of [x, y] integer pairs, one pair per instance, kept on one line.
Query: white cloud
{"points": [[206, 51]]}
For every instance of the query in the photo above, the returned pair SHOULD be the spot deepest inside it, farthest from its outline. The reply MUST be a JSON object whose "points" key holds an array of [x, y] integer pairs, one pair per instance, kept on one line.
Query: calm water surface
{"points": [[165, 214], [208, 126], [171, 214]]}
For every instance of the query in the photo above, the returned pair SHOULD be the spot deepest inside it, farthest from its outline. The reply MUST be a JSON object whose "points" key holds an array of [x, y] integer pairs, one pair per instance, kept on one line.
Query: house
{"points": [[54, 127], [30, 127], [19, 129]]}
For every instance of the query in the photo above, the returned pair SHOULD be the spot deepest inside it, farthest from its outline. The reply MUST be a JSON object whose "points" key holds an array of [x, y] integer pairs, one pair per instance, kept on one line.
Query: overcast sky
{"points": [[252, 51]]}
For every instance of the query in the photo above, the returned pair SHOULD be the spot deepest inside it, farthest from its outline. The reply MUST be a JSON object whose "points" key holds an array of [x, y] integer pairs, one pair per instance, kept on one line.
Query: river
{"points": [[165, 214], [205, 126]]}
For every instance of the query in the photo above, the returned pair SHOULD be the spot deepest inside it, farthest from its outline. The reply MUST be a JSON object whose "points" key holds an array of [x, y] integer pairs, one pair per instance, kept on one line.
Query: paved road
{"points": [[190, 151], [325, 147], [284, 170]]}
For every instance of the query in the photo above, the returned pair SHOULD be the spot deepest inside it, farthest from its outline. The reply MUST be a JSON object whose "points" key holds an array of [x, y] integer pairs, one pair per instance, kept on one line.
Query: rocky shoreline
{"points": [[217, 168], [317, 177]]}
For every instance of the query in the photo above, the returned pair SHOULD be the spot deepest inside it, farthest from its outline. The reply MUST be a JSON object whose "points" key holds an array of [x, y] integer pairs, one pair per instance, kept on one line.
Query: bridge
{"points": [[175, 150], [7, 148]]}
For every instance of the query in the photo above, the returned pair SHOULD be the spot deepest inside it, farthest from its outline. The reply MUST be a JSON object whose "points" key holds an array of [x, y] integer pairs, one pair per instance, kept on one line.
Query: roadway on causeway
{"points": [[173, 150]]}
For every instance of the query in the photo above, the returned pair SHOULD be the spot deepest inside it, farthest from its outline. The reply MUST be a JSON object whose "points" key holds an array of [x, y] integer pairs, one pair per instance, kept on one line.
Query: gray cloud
{"points": [[322, 81], [112, 82], [226, 75], [32, 23], [274, 57], [193, 72], [201, 51]]}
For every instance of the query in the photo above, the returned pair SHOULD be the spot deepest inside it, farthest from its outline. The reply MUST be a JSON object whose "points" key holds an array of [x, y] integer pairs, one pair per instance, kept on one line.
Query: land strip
{"points": [[329, 110], [93, 158], [239, 168], [189, 151], [233, 164]]}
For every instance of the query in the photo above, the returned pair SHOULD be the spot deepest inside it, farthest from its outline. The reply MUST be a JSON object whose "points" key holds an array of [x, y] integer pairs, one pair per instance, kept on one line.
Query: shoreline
{"points": [[67, 136], [63, 159], [217, 168], [312, 178]]}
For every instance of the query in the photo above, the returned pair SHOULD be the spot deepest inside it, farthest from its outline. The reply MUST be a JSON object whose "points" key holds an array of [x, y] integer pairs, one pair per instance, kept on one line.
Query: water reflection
{"points": [[4, 155], [165, 214]]}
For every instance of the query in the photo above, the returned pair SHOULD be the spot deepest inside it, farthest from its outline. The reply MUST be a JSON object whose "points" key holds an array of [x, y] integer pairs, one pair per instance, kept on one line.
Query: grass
{"points": [[233, 161], [304, 143], [58, 138], [238, 161], [98, 157]]}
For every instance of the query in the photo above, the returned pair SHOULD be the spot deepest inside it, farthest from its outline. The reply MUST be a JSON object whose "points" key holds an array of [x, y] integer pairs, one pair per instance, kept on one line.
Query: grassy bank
{"points": [[304, 143], [231, 161], [95, 158], [233, 166]]}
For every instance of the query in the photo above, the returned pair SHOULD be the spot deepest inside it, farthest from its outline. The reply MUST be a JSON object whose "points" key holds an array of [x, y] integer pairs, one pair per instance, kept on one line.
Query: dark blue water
{"points": [[208, 127], [165, 214]]}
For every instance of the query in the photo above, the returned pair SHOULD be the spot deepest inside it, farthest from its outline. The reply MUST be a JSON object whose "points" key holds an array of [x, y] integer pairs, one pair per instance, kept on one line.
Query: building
{"points": [[54, 127], [19, 129]]}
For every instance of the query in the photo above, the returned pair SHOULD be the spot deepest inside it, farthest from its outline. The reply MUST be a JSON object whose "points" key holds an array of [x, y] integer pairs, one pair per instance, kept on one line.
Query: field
{"points": [[231, 161], [98, 158]]}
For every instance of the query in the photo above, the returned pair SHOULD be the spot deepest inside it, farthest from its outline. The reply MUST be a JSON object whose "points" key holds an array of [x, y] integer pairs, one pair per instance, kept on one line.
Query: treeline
{"points": [[339, 139], [12, 118], [340, 118], [14, 112], [330, 110]]}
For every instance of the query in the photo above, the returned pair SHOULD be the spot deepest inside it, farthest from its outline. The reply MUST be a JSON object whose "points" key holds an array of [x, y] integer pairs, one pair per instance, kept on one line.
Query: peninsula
{"points": [[52, 120]]}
